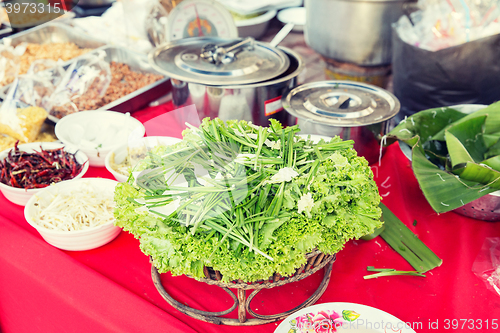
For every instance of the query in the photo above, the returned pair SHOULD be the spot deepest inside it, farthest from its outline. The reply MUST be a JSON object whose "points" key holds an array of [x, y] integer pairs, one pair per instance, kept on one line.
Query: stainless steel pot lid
{"points": [[341, 103], [218, 61]]}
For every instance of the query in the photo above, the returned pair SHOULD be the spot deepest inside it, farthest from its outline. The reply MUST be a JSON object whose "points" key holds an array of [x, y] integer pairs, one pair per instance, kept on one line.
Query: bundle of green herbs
{"points": [[247, 201], [455, 154]]}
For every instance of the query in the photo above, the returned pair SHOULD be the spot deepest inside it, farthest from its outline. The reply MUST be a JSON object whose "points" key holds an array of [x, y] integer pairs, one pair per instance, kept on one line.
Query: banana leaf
{"points": [[491, 139], [443, 190], [493, 162], [425, 124], [457, 151], [491, 125], [478, 173], [470, 135], [494, 149]]}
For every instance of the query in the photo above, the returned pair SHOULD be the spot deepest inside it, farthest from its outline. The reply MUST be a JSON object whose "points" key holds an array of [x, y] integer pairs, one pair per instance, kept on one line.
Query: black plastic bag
{"points": [[464, 74]]}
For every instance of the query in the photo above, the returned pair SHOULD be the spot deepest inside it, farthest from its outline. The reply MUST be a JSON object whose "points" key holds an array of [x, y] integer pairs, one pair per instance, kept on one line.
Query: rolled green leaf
{"points": [[470, 134], [443, 190], [458, 152], [494, 149], [480, 174], [491, 125], [425, 124], [493, 162]]}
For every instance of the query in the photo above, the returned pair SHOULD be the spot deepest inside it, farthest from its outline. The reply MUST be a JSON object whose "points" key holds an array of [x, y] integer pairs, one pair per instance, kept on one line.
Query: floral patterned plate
{"points": [[342, 317]]}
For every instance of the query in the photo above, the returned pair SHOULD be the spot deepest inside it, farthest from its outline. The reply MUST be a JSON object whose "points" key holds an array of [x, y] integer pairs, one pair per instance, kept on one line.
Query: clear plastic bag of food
{"points": [[441, 24], [83, 85], [18, 119], [48, 69], [487, 264], [10, 63]]}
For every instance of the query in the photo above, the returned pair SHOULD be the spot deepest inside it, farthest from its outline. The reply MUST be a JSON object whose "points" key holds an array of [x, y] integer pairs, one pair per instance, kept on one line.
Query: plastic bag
{"points": [[456, 75], [156, 24], [442, 24], [487, 264], [136, 14], [18, 120], [10, 63], [83, 85]]}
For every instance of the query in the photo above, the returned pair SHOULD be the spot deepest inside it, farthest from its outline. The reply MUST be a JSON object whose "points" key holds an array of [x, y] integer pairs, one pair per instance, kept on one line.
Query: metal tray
{"points": [[135, 101], [53, 32], [141, 98], [5, 30]]}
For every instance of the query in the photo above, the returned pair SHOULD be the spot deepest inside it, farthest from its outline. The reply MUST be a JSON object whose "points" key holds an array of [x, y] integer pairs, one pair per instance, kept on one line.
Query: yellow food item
{"points": [[7, 142], [26, 125], [133, 156], [53, 51]]}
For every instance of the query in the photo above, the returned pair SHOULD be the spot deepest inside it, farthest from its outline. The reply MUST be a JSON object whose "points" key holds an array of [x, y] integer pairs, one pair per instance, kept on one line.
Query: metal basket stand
{"points": [[315, 261]]}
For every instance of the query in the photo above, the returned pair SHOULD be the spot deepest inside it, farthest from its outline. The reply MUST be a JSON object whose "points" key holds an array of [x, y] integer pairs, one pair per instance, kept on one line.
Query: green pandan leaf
{"points": [[491, 125], [470, 135], [457, 151], [479, 173], [425, 124], [444, 191]]}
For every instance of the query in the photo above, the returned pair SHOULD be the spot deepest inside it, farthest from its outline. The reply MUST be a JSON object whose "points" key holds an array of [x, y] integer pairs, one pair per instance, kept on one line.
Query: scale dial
{"points": [[201, 18]]}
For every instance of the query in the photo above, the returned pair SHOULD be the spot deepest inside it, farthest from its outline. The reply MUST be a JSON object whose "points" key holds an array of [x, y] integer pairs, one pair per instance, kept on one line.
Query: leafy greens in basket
{"points": [[455, 155], [245, 200]]}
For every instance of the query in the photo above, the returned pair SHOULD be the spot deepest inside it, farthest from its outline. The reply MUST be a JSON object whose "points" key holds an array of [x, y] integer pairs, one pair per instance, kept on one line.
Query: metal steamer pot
{"points": [[355, 31], [351, 110], [229, 79]]}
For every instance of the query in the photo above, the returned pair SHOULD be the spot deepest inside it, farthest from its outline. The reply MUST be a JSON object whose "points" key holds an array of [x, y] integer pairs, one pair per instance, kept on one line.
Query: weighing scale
{"points": [[200, 18]]}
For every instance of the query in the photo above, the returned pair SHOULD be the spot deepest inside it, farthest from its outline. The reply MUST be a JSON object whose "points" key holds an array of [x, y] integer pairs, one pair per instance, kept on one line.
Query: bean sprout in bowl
{"points": [[96, 133], [121, 159], [21, 195], [75, 215]]}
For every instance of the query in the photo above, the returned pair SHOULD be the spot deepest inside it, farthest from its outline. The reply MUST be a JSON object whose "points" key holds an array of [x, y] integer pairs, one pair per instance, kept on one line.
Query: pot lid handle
{"points": [[225, 53]]}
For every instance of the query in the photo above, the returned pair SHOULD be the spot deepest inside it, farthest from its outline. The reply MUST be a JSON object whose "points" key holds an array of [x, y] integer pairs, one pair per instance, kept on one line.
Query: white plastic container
{"points": [[96, 133], [120, 153], [20, 196], [78, 240]]}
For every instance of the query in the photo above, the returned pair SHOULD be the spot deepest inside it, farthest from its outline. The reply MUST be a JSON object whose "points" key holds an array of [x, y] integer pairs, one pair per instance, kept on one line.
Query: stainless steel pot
{"points": [[351, 110], [256, 101], [356, 31]]}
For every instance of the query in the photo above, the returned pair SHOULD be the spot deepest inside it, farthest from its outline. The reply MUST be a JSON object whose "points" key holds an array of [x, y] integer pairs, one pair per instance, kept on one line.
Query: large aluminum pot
{"points": [[356, 31], [257, 102], [351, 110]]}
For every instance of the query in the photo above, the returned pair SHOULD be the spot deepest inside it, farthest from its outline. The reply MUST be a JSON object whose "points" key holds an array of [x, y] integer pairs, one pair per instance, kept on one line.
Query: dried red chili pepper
{"points": [[39, 169]]}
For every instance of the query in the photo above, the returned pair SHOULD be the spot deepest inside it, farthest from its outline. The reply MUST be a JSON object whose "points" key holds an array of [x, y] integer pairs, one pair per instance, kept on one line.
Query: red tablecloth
{"points": [[109, 289]]}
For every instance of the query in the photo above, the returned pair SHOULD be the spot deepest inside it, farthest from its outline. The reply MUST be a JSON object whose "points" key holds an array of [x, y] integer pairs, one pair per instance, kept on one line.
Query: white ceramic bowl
{"points": [[96, 133], [121, 152], [255, 27], [20, 196], [296, 15], [78, 240]]}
